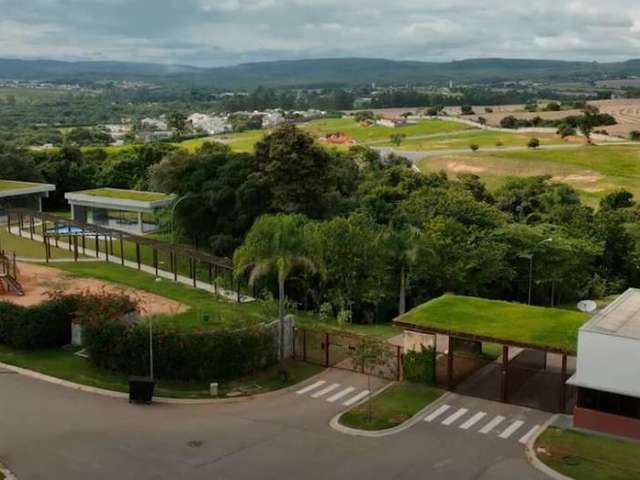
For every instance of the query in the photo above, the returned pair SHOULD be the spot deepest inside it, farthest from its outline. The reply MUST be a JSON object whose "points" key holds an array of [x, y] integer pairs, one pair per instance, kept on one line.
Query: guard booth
{"points": [[496, 350]]}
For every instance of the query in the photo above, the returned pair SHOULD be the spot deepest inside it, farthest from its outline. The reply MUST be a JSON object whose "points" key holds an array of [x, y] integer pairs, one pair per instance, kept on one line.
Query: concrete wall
{"points": [[609, 363]]}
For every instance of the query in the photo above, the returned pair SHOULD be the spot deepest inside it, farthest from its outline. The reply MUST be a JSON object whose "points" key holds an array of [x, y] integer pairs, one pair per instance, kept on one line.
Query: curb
{"points": [[532, 457], [164, 400], [336, 425], [7, 473]]}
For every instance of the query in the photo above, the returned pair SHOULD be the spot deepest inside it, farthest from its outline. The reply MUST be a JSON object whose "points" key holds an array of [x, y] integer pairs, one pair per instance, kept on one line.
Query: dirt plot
{"points": [[39, 282]]}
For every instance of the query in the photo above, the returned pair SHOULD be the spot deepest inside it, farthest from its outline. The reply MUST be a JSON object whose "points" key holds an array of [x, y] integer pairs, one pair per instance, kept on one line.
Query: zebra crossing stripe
{"points": [[310, 387], [340, 394], [436, 413], [510, 430], [356, 398], [527, 436], [492, 424], [452, 418], [473, 420], [325, 390]]}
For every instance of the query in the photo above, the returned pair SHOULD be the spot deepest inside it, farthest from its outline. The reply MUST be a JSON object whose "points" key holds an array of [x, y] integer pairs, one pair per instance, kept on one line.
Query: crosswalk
{"points": [[482, 423], [334, 393]]}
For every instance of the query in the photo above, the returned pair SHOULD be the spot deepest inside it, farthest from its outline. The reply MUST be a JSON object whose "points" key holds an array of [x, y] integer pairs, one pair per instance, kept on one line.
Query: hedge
{"points": [[178, 355], [420, 366], [39, 326]]}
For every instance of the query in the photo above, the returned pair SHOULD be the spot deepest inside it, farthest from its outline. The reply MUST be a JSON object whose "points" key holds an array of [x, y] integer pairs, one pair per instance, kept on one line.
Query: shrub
{"points": [[533, 143], [635, 135], [178, 355], [474, 147], [40, 326], [419, 366]]}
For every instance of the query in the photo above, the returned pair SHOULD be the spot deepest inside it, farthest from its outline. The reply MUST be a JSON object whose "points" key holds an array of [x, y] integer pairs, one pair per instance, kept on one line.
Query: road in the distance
{"points": [[52, 432]]}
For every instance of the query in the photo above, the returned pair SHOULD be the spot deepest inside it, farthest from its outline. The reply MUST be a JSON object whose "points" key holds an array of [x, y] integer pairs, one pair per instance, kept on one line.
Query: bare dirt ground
{"points": [[39, 282]]}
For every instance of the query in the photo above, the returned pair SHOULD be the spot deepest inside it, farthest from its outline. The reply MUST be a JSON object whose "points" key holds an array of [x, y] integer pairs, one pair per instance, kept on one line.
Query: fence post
{"points": [[504, 386], [138, 254], [563, 386], [304, 345], [326, 351], [399, 363]]}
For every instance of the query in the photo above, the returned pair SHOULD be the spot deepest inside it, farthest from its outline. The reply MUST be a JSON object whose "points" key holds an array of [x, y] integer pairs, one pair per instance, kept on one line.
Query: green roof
{"points": [[502, 322], [120, 194], [11, 185]]}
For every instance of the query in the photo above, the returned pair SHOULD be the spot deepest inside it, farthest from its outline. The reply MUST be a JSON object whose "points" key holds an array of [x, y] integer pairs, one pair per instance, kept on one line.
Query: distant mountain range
{"points": [[320, 72]]}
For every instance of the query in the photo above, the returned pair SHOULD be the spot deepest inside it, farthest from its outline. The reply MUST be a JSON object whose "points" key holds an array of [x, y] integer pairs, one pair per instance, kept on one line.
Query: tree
{"points": [[279, 245], [397, 138], [299, 173], [474, 147], [533, 143], [617, 199], [177, 121], [482, 121], [401, 245], [565, 130], [634, 135], [466, 110]]}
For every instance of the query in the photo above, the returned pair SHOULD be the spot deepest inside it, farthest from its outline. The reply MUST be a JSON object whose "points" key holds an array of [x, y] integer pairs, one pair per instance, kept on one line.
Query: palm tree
{"points": [[402, 244], [278, 244]]}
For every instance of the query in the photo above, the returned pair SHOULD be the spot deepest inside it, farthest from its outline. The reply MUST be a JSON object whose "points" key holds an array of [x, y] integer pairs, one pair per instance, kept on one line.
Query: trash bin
{"points": [[141, 389]]}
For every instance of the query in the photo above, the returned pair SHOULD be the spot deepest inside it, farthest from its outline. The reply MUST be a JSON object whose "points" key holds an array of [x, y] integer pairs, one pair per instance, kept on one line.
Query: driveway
{"points": [[51, 432]]}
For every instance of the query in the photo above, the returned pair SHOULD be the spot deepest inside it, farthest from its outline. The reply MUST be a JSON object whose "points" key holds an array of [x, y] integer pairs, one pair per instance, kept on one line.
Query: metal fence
{"points": [[342, 350]]}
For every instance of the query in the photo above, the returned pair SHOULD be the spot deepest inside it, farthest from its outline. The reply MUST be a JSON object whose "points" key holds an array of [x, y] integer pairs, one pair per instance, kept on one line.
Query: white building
{"points": [[154, 124], [210, 124], [272, 118], [608, 369]]}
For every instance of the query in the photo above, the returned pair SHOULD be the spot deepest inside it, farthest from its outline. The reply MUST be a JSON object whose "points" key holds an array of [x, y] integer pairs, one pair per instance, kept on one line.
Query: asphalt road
{"points": [[52, 432]]}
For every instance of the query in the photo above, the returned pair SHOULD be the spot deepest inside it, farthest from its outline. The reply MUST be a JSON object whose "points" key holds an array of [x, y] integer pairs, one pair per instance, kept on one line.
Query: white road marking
{"points": [[325, 390], [525, 438], [340, 394], [452, 418], [473, 420], [511, 429], [492, 424], [436, 413], [310, 387], [356, 398]]}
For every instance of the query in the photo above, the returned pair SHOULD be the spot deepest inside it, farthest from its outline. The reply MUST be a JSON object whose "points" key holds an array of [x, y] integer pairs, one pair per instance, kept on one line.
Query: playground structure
{"points": [[9, 275]]}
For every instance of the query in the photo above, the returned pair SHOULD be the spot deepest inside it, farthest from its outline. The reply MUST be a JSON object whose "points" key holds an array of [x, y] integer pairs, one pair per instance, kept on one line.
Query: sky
{"points": [[227, 32]]}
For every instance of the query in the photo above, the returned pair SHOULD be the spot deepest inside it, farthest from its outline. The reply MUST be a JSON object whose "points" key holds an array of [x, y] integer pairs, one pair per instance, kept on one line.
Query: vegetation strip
{"points": [[588, 457], [394, 406]]}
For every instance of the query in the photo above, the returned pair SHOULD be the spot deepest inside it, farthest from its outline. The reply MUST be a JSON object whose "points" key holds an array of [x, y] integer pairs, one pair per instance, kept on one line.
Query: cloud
{"points": [[221, 32]]}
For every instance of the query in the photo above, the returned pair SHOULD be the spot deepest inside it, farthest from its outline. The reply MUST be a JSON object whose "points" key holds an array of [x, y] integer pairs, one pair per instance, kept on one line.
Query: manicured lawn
{"points": [[23, 247], [376, 133], [593, 170], [238, 142], [502, 321], [482, 138], [589, 457], [220, 313], [394, 406], [62, 363], [120, 194]]}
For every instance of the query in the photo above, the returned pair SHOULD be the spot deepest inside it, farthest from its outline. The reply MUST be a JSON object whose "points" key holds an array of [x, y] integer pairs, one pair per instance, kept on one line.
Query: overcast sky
{"points": [[223, 32]]}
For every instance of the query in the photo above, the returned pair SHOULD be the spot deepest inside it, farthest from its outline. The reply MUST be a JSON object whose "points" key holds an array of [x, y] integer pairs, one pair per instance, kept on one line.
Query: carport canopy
{"points": [[507, 323]]}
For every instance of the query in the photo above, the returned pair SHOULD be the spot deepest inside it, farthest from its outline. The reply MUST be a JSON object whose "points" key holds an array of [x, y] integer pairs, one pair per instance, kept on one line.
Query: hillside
{"points": [[318, 72]]}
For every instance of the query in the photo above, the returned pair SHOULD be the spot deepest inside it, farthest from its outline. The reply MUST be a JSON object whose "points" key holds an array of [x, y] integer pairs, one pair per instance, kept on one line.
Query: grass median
{"points": [[394, 406], [589, 457], [63, 363]]}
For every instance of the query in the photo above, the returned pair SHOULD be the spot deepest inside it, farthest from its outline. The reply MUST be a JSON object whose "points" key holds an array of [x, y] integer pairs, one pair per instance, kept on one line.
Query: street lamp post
{"points": [[173, 216], [530, 256]]}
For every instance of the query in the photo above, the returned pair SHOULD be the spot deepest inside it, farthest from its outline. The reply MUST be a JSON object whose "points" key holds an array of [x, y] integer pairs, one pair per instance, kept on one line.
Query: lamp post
{"points": [[173, 216], [530, 257]]}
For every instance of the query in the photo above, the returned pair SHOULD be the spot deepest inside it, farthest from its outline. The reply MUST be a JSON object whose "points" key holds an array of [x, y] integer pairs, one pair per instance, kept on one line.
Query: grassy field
{"points": [[63, 363], [394, 406], [589, 457], [220, 313], [502, 321], [592, 170], [482, 138], [376, 133], [239, 142], [23, 247]]}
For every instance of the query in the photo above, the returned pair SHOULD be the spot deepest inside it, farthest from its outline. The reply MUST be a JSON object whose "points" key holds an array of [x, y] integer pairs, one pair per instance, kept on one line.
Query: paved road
{"points": [[51, 432]]}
